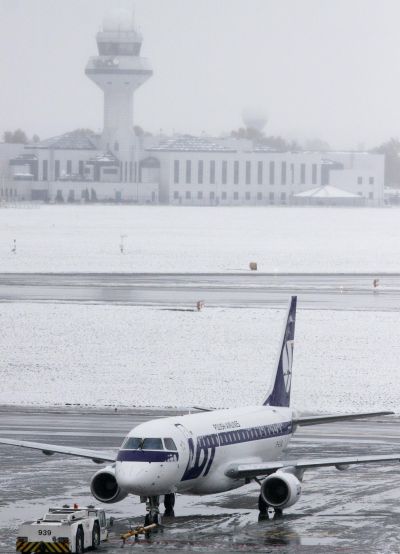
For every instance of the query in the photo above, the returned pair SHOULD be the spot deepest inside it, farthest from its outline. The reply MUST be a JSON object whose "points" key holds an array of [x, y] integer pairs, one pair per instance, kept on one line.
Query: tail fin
{"points": [[279, 394]]}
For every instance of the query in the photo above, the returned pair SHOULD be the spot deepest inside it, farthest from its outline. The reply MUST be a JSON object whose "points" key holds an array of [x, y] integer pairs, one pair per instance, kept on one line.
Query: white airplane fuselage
{"points": [[207, 444]]}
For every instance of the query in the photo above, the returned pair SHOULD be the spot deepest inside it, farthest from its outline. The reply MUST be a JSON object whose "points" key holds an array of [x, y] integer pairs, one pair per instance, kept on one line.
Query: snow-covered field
{"points": [[122, 355], [181, 239]]}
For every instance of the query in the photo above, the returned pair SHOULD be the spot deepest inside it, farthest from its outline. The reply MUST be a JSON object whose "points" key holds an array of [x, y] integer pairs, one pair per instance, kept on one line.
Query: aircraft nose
{"points": [[131, 476], [145, 477]]}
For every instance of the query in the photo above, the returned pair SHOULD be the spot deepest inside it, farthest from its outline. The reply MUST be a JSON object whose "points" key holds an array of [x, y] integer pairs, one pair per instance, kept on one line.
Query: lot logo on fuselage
{"points": [[200, 459]]}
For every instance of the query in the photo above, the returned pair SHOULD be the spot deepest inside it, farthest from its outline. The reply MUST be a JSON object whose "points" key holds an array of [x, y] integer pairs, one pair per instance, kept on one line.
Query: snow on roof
{"points": [[188, 143], [104, 158], [76, 140], [327, 191]]}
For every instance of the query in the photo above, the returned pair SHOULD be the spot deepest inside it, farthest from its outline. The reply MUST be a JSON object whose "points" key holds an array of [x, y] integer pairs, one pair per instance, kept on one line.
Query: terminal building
{"points": [[119, 166]]}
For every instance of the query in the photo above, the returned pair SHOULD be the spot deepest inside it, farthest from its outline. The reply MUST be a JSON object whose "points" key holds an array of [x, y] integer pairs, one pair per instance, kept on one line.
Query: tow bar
{"points": [[142, 530]]}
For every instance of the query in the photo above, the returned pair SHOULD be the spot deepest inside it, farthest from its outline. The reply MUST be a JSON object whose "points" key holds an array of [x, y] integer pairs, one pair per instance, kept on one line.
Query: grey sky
{"points": [[319, 68]]}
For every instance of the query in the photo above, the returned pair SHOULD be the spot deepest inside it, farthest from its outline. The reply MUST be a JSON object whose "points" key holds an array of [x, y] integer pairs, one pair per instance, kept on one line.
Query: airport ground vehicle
{"points": [[66, 529]]}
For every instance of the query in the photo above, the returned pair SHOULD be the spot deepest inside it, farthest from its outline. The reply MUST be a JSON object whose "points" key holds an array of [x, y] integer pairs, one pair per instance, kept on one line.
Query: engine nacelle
{"points": [[105, 488], [281, 489]]}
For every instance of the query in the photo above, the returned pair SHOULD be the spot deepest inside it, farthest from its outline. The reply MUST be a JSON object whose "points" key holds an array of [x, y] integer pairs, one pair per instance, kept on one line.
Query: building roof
{"points": [[76, 140], [188, 143], [327, 191]]}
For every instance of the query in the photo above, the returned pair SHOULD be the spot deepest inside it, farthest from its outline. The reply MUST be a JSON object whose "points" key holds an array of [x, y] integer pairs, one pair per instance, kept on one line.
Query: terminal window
{"points": [[314, 174], [248, 173], [236, 173], [271, 173], [259, 173], [45, 170], [188, 171], [212, 172], [200, 172], [283, 173], [176, 171], [224, 172], [303, 174]]}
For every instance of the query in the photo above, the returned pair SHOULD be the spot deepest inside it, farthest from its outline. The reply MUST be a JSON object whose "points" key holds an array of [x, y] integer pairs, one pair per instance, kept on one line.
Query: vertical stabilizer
{"points": [[279, 394]]}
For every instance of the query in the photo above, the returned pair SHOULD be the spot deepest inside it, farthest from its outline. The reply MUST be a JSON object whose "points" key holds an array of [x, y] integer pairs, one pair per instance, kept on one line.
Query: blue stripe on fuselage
{"points": [[206, 445], [147, 456]]}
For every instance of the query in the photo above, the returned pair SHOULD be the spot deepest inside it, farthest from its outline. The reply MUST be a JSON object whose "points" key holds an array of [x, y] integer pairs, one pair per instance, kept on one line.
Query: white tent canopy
{"points": [[326, 191], [328, 196]]}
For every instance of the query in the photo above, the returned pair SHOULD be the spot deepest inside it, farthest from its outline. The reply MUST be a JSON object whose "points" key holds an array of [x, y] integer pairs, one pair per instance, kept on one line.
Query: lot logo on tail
{"points": [[280, 393], [287, 360]]}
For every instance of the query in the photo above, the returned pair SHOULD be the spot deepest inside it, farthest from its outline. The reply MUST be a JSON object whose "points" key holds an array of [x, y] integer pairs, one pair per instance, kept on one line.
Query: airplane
{"points": [[215, 450]]}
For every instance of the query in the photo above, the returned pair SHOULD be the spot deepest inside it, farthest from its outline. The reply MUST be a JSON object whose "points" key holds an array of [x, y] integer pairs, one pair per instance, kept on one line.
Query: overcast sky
{"points": [[327, 69]]}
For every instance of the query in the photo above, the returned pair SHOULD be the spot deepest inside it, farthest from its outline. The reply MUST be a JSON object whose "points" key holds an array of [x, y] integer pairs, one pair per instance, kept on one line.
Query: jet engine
{"points": [[105, 488], [281, 489]]}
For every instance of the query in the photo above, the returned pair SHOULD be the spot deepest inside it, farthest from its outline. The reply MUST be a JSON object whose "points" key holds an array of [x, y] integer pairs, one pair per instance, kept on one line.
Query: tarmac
{"points": [[357, 510], [338, 291]]}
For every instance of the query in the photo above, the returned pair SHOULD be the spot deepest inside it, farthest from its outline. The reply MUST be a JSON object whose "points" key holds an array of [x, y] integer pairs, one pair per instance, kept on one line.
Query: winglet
{"points": [[279, 394]]}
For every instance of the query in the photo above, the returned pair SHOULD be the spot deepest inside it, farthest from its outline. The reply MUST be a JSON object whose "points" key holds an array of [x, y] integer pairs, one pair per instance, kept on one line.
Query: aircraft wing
{"points": [[317, 420], [260, 470], [96, 456]]}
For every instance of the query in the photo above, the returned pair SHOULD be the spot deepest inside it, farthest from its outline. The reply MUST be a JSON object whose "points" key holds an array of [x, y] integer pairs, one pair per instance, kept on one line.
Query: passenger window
{"points": [[152, 444], [169, 444]]}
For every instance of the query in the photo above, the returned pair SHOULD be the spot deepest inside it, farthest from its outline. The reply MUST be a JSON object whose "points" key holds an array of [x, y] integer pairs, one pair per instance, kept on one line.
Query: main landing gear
{"points": [[263, 508], [153, 508], [169, 503]]}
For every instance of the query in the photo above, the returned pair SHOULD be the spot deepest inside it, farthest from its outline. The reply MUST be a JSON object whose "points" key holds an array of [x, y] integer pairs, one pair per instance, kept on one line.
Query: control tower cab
{"points": [[118, 70]]}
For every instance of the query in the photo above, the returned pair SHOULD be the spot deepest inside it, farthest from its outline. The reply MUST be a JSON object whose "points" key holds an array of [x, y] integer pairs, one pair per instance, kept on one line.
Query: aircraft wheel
{"points": [[169, 503], [95, 536], [79, 543]]}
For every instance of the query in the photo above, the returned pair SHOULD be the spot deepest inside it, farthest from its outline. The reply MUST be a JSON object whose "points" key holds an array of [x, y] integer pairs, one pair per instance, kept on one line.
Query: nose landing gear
{"points": [[153, 511], [153, 508]]}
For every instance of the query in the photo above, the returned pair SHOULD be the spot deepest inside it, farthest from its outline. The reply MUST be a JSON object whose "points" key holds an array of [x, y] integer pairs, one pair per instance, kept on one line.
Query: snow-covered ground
{"points": [[121, 355], [181, 239]]}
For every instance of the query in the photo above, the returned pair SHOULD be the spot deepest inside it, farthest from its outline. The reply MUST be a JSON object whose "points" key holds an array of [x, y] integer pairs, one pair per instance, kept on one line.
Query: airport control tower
{"points": [[118, 70]]}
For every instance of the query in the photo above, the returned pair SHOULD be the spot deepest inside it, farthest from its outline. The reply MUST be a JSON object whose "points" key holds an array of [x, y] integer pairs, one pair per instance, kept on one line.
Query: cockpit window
{"points": [[152, 444], [131, 443], [169, 444], [136, 443]]}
